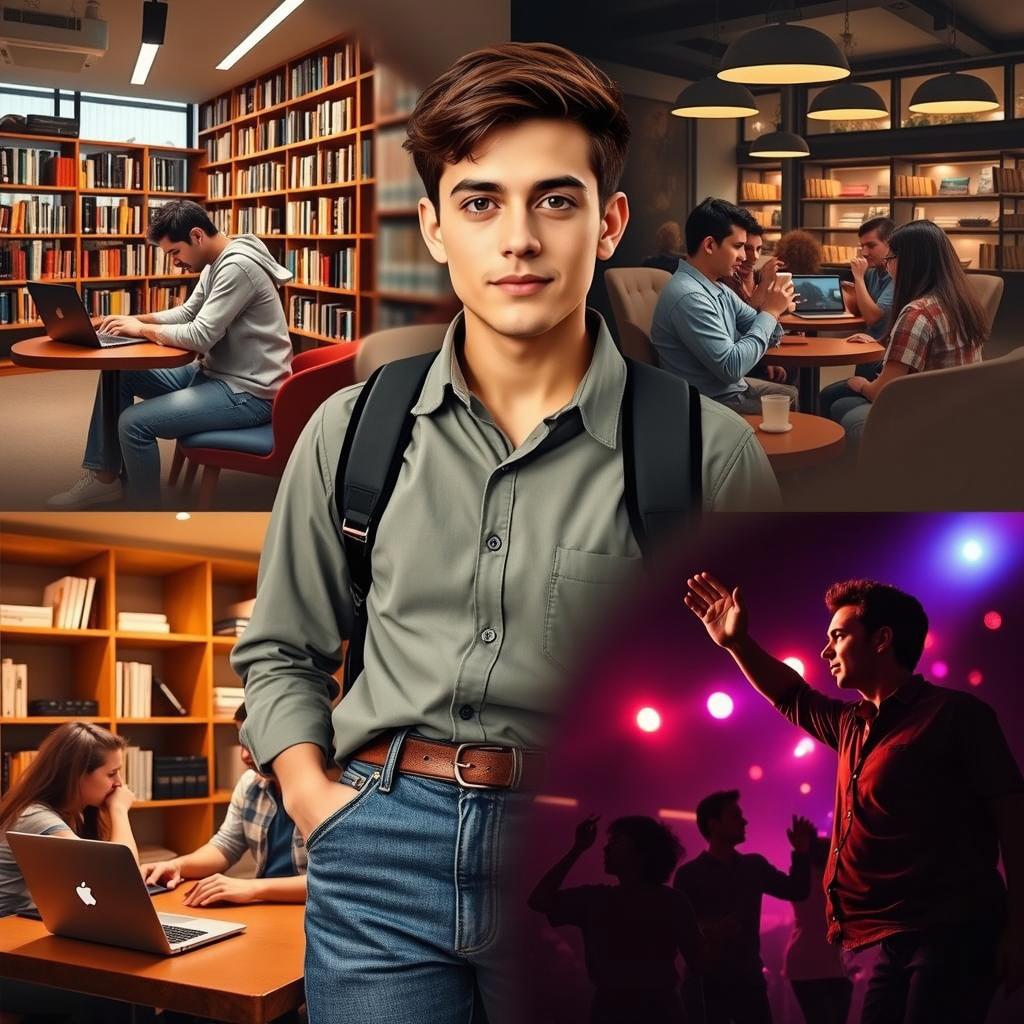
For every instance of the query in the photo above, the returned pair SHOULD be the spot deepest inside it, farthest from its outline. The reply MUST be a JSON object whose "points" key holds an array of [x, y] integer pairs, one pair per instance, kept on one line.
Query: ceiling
{"points": [[201, 33], [228, 534], [678, 37]]}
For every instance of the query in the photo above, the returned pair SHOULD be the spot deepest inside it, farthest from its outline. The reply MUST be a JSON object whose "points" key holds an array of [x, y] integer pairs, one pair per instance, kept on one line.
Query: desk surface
{"points": [[45, 354], [248, 979], [792, 322], [797, 350], [813, 439]]}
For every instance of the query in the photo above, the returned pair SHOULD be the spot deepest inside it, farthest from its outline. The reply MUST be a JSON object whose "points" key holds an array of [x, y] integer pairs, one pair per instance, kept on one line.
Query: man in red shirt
{"points": [[927, 795]]}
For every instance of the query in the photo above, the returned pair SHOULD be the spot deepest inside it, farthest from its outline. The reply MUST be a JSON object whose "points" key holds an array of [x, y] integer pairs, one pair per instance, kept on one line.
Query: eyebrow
{"points": [[493, 188]]}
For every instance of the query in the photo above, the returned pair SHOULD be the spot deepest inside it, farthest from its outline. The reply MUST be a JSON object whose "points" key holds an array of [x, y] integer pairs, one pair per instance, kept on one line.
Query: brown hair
{"points": [[800, 251], [879, 604], [499, 86], [668, 237], [70, 752]]}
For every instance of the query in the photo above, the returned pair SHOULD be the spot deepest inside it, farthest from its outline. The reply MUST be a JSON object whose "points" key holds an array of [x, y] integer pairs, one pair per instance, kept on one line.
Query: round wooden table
{"points": [[42, 353], [813, 439], [808, 355], [815, 324]]}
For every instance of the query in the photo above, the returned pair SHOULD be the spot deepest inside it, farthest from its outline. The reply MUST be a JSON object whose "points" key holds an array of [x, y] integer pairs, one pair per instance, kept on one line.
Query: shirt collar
{"points": [[598, 395], [907, 694], [713, 288]]}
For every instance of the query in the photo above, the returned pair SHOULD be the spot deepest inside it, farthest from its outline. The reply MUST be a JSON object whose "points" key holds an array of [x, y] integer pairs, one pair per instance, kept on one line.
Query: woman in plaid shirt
{"points": [[940, 323]]}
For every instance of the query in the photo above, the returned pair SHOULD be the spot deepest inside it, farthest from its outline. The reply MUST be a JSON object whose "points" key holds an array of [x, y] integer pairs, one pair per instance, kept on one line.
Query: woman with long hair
{"points": [[940, 323]]}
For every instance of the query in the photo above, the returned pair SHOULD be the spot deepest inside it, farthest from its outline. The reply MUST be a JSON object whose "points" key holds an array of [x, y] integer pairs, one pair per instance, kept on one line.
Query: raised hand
{"points": [[801, 834], [723, 612], [586, 833]]}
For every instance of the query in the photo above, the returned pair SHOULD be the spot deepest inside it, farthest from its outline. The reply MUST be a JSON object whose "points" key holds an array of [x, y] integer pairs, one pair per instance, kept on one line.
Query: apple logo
{"points": [[85, 895], [60, 313]]}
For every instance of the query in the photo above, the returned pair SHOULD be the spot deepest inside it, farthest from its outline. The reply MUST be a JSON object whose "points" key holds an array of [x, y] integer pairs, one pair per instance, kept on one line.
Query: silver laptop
{"points": [[66, 319], [87, 889], [819, 295]]}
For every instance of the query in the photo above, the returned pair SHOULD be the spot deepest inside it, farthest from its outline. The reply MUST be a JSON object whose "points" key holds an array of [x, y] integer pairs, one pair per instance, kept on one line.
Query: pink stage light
{"points": [[975, 678], [993, 620], [940, 669], [805, 788], [804, 747], [929, 640], [648, 720], [796, 665], [756, 772], [720, 705]]}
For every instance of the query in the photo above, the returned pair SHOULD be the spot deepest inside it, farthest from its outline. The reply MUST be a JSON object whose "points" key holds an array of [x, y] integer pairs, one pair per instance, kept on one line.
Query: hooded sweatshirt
{"points": [[235, 319]]}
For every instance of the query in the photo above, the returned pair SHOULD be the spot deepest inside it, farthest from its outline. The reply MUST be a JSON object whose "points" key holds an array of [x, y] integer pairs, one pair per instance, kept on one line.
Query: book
{"points": [[169, 696], [26, 615]]}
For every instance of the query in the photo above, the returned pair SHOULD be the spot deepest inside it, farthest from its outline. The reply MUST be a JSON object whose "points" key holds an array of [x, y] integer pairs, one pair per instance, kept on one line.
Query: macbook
{"points": [[819, 295], [87, 889], [66, 319]]}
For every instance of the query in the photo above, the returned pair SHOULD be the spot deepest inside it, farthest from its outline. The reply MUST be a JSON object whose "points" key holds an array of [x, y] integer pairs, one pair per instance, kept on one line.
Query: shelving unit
{"points": [[193, 591], [768, 211], [143, 286]]}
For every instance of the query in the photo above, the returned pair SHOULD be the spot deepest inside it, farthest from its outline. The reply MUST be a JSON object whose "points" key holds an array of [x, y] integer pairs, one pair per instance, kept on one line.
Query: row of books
{"points": [[366, 158], [218, 184], [1008, 179], [336, 321], [35, 260], [12, 766], [112, 301], [26, 165], [218, 147], [13, 689], [168, 174], [392, 93], [259, 95], [115, 259], [318, 72], [324, 216], [143, 622], [1001, 257], [916, 185], [166, 296], [259, 220], [398, 184], [268, 176], [838, 253], [221, 217], [180, 776], [331, 167], [328, 117], [137, 772], [404, 265], [754, 190], [163, 263], [819, 188], [230, 627], [1013, 220], [226, 699], [324, 269], [71, 600], [215, 112], [112, 170], [133, 689], [36, 215], [110, 215], [17, 307], [264, 135]]}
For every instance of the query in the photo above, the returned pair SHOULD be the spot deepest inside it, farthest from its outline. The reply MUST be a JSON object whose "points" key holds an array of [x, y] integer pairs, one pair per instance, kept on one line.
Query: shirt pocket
{"points": [[582, 586]]}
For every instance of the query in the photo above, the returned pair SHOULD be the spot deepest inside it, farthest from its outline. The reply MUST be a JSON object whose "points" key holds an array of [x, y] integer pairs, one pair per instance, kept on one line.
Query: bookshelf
{"points": [[192, 591], [759, 190], [97, 262]]}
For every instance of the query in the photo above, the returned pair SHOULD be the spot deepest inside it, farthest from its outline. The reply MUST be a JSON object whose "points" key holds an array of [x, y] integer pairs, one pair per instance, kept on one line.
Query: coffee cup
{"points": [[784, 276], [775, 412]]}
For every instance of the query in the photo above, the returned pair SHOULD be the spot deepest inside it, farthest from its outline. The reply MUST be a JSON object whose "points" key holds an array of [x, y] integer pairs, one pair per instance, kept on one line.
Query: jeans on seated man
{"points": [[234, 321], [702, 330]]}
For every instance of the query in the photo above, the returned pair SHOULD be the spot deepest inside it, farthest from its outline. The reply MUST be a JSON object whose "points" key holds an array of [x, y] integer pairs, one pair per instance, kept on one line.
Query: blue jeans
{"points": [[178, 402], [407, 913], [852, 414], [834, 392]]}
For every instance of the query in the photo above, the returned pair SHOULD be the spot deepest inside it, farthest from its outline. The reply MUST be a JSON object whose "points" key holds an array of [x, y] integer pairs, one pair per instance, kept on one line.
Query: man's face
{"points": [[731, 826], [620, 854], [726, 257], [190, 256], [751, 252], [851, 652], [520, 224], [873, 249]]}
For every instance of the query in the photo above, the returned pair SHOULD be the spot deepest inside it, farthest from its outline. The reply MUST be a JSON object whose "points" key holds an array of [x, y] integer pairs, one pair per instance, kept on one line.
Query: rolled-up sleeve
{"points": [[232, 291], [291, 648]]}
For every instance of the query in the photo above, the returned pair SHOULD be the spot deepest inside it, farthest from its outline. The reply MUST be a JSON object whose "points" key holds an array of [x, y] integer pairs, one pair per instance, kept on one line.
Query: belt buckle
{"points": [[458, 765]]}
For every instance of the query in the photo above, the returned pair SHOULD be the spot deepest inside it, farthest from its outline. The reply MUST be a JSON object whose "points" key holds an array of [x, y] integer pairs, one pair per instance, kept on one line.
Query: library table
{"points": [[246, 979], [813, 439], [809, 354], [45, 354]]}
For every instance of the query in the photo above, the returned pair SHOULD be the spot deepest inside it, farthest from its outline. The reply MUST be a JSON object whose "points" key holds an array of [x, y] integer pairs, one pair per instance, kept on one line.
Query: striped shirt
{"points": [[922, 339]]}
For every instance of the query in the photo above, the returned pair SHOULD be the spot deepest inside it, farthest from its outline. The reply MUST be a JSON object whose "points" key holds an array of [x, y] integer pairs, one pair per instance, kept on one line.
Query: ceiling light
{"points": [[776, 145], [147, 54], [847, 101], [953, 93], [264, 28], [154, 24], [783, 55], [711, 97]]}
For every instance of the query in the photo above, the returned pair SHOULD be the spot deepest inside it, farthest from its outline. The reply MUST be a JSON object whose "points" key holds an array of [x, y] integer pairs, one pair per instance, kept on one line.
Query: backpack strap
{"points": [[378, 433], [662, 452]]}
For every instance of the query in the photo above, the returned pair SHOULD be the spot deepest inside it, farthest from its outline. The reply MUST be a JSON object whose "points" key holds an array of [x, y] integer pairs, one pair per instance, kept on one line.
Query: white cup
{"points": [[784, 276], [775, 412]]}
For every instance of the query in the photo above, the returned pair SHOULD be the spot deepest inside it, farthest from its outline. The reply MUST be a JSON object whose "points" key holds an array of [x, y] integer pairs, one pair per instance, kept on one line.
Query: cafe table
{"points": [[809, 354]]}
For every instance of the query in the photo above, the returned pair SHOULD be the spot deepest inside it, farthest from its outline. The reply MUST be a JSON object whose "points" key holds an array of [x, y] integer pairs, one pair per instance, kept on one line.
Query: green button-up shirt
{"points": [[489, 563]]}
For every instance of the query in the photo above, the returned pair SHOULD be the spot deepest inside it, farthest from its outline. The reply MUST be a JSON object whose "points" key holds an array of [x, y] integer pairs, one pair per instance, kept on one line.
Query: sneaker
{"points": [[87, 490]]}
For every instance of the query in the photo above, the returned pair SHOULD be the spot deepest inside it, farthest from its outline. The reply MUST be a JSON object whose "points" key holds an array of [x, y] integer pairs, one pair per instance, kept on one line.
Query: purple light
{"points": [[648, 720], [940, 669], [804, 747], [993, 620], [720, 705]]}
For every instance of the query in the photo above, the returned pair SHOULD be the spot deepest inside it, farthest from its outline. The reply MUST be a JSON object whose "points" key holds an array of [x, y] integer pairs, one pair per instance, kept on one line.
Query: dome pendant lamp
{"points": [[778, 144], [782, 54], [847, 101]]}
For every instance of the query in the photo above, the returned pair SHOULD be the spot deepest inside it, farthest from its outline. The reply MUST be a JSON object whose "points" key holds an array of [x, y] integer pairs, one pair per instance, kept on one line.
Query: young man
{"points": [[256, 821], [702, 330], [234, 320], [725, 888], [927, 795], [505, 529], [633, 931]]}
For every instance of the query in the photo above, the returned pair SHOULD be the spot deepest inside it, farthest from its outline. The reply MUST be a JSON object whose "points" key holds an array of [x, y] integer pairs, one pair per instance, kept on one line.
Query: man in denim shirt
{"points": [[702, 330]]}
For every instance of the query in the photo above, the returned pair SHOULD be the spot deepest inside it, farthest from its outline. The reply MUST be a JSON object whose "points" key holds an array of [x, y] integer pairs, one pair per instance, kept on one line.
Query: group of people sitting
{"points": [[717, 318]]}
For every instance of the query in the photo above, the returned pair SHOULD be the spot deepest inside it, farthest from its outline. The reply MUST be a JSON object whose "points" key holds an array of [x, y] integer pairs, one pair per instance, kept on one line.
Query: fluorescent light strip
{"points": [[264, 28], [147, 54]]}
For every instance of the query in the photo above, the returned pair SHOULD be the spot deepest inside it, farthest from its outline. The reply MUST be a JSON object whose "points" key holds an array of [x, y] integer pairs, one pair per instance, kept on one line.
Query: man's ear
{"points": [[613, 225], [882, 640], [430, 229]]}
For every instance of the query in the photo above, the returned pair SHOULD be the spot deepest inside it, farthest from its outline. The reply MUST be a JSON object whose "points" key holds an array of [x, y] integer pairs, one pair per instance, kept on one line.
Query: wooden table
{"points": [[816, 324], [249, 978], [813, 439], [42, 353], [808, 355]]}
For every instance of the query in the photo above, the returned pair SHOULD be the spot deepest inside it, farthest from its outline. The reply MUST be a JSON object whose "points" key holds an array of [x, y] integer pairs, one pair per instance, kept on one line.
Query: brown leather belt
{"points": [[470, 765]]}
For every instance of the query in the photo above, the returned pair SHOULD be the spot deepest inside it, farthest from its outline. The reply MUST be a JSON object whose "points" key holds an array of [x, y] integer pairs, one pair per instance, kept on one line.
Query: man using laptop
{"points": [[702, 330], [234, 321]]}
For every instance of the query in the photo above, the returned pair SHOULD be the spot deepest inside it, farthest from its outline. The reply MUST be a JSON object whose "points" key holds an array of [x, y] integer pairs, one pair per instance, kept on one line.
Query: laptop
{"points": [[66, 319], [819, 295], [87, 889]]}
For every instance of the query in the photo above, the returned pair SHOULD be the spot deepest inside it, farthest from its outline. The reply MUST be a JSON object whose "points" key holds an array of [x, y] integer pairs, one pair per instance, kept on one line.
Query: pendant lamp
{"points": [[783, 54], [711, 97], [778, 144], [847, 101]]}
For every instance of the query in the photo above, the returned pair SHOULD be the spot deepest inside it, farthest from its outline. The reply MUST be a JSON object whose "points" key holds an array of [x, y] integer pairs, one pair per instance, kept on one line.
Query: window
{"points": [[767, 118], [817, 127], [25, 99], [909, 119]]}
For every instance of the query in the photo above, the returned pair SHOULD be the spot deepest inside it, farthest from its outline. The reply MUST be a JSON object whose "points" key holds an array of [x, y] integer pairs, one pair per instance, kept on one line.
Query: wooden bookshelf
{"points": [[192, 591], [78, 241]]}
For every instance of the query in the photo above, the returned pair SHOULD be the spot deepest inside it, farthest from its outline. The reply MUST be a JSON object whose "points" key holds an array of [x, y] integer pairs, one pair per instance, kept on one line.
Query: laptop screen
{"points": [[818, 293]]}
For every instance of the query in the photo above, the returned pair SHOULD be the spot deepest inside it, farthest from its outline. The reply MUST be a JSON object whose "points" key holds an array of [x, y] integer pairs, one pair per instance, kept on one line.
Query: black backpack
{"points": [[662, 477]]}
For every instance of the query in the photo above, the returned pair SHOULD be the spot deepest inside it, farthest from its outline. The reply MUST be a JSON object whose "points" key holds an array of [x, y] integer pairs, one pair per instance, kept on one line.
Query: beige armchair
{"points": [[396, 343], [633, 292]]}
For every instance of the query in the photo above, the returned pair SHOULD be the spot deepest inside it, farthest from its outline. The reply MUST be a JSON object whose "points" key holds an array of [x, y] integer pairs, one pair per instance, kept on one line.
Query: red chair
{"points": [[316, 375]]}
